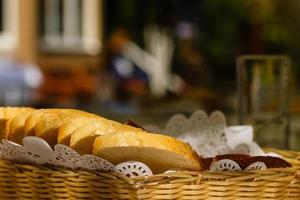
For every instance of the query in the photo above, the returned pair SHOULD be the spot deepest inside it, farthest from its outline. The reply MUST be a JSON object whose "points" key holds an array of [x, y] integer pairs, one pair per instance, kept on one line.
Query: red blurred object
{"points": [[67, 86]]}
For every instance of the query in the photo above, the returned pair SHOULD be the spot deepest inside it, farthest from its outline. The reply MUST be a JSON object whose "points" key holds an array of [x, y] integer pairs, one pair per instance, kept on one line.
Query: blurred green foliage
{"points": [[225, 29]]}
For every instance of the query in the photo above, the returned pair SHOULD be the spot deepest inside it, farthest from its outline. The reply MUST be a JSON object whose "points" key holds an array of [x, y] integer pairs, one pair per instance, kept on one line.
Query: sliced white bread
{"points": [[16, 131], [159, 152], [66, 129], [82, 138], [31, 120], [8, 113], [45, 123]]}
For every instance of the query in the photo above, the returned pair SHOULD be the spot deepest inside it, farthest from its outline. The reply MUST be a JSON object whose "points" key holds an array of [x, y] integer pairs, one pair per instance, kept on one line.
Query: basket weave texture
{"points": [[21, 181]]}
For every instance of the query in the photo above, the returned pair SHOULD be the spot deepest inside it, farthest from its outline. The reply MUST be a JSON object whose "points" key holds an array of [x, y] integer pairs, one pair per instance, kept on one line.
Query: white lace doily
{"points": [[225, 165], [36, 150], [232, 166], [256, 166], [134, 168], [210, 136]]}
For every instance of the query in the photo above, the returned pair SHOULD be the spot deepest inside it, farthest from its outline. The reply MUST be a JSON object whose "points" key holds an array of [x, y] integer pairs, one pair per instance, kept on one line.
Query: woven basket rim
{"points": [[290, 156], [171, 174]]}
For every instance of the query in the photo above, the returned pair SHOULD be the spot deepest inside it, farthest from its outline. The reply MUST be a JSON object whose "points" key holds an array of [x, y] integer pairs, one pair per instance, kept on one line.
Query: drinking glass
{"points": [[263, 97]]}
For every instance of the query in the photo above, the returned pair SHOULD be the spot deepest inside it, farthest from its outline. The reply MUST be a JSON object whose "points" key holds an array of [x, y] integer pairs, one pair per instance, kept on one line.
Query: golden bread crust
{"points": [[144, 140]]}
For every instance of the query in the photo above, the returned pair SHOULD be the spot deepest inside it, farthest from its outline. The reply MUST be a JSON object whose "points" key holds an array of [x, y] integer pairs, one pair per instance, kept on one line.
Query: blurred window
{"points": [[70, 25], [8, 24]]}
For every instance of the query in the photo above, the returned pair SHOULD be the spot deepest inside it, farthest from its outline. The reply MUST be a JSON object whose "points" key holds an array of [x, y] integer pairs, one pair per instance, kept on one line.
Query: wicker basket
{"points": [[19, 181]]}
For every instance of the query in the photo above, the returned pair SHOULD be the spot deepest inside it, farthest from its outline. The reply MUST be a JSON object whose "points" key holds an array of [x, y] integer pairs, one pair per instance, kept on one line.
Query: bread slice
{"points": [[30, 122], [16, 131], [159, 152], [46, 122], [82, 138], [66, 129], [6, 114]]}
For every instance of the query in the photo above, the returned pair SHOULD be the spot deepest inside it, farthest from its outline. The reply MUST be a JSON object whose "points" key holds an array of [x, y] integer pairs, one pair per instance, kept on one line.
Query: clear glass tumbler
{"points": [[264, 96]]}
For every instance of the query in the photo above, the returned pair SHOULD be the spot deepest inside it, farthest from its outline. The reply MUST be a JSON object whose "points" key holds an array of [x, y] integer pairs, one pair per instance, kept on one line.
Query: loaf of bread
{"points": [[159, 152], [89, 133]]}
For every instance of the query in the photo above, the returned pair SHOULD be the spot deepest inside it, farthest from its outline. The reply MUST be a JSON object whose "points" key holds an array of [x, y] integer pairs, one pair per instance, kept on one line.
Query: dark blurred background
{"points": [[140, 60]]}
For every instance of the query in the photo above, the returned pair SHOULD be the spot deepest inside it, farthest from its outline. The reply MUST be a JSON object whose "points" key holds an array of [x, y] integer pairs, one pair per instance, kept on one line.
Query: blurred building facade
{"points": [[62, 37], [65, 39]]}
